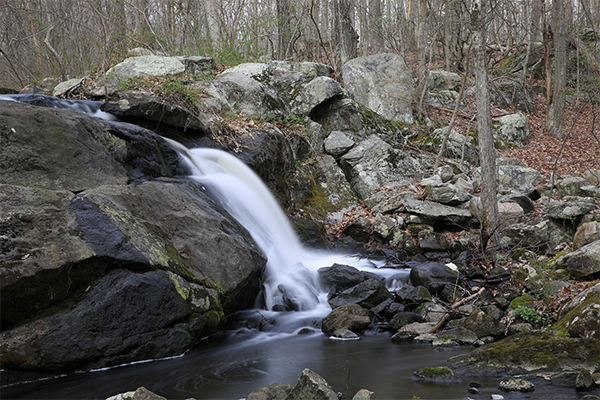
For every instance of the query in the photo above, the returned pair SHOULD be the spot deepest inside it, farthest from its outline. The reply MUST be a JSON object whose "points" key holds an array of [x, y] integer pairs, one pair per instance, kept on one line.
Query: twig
{"points": [[467, 299]]}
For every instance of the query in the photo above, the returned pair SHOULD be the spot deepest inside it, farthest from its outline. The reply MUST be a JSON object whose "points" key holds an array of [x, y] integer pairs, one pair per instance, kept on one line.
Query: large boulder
{"points": [[458, 146], [60, 149], [69, 221], [513, 131], [134, 67], [124, 316], [584, 261], [139, 105], [382, 83], [311, 386], [438, 212], [581, 317], [374, 163]]}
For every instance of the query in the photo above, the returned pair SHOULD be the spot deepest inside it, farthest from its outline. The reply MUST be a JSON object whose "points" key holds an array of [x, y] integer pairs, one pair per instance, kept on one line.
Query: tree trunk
{"points": [[488, 214], [556, 108], [345, 38], [375, 28], [284, 28]]}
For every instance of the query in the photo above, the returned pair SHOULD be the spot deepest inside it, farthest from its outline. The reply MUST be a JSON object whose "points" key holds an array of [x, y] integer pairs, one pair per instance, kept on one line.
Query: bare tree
{"points": [[345, 38], [488, 214], [556, 107]]}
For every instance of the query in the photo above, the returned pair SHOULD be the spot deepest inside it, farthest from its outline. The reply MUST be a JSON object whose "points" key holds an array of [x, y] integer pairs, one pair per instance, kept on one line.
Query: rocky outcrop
{"points": [[114, 272]]}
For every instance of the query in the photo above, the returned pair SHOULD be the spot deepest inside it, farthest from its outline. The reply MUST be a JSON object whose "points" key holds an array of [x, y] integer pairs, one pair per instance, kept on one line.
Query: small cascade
{"points": [[291, 281], [86, 106]]}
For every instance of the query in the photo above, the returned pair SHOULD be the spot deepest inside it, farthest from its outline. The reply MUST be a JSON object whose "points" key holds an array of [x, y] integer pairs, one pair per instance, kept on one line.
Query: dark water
{"points": [[231, 364]]}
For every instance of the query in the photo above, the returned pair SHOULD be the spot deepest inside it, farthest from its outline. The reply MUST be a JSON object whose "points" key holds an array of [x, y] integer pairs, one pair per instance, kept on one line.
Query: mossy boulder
{"points": [[583, 321], [481, 324], [529, 354], [436, 375]]}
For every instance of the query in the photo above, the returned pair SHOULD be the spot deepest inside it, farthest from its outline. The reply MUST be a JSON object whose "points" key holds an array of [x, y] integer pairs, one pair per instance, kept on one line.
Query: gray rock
{"points": [[344, 334], [433, 276], [434, 241], [432, 312], [141, 105], [134, 67], [342, 114], [458, 146], [52, 148], [374, 163], [315, 93], [584, 380], [198, 65], [481, 324], [404, 318], [516, 385], [583, 262], [337, 144], [384, 228], [352, 317], [569, 210], [386, 202], [592, 176], [513, 131], [244, 92], [443, 80], [443, 98], [308, 68], [154, 320], [440, 375], [382, 83], [311, 386], [332, 184], [413, 295], [436, 211], [570, 185], [460, 335], [581, 318], [417, 328], [359, 229], [366, 294], [62, 88], [447, 193], [274, 391], [544, 234], [512, 93], [343, 276], [364, 394]]}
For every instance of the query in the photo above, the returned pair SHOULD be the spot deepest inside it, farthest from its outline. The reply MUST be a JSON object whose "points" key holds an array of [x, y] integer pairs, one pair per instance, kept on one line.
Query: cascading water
{"points": [[291, 273], [85, 106]]}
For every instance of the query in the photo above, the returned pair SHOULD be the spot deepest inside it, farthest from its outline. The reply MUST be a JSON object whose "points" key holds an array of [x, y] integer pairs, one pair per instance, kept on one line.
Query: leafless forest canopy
{"points": [[72, 38]]}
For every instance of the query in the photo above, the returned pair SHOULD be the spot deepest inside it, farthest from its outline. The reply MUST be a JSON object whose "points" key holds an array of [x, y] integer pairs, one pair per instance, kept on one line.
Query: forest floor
{"points": [[578, 151]]}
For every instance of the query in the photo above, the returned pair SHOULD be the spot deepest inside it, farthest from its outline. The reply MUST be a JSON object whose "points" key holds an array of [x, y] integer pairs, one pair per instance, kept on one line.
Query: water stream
{"points": [[249, 354]]}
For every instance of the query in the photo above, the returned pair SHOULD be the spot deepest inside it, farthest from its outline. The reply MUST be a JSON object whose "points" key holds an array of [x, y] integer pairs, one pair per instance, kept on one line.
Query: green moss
{"points": [[436, 371], [562, 325], [523, 301], [373, 123], [182, 287]]}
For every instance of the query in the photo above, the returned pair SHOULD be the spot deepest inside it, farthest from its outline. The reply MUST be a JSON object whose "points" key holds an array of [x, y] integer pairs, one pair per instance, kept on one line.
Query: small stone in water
{"points": [[497, 397], [516, 385], [473, 390]]}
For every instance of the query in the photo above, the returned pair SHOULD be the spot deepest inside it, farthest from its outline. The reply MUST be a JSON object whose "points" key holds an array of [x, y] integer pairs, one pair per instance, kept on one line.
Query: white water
{"points": [[291, 270]]}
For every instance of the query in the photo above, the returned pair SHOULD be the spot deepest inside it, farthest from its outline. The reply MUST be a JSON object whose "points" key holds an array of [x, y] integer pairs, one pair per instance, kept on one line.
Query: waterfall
{"points": [[291, 280]]}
